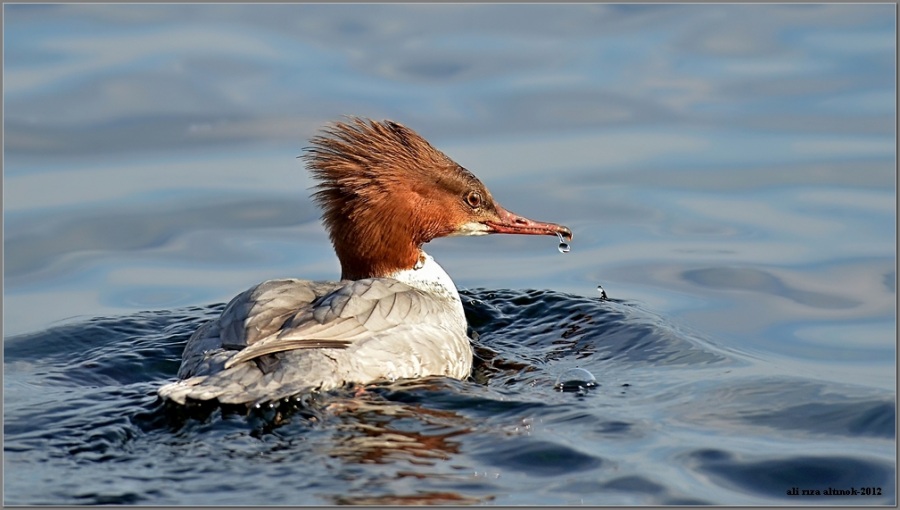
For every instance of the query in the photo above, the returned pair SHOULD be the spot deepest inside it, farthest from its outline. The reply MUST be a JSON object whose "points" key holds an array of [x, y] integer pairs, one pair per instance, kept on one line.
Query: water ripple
{"points": [[81, 398]]}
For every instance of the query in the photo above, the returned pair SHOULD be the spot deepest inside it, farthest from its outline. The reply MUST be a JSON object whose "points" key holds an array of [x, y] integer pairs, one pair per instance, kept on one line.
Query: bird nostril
{"points": [[521, 221]]}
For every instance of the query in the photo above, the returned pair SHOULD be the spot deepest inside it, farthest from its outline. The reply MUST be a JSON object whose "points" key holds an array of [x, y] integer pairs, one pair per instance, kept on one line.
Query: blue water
{"points": [[729, 172]]}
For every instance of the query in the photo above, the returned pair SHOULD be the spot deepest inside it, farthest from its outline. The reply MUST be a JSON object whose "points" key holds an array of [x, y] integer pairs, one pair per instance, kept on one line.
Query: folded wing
{"points": [[351, 313]]}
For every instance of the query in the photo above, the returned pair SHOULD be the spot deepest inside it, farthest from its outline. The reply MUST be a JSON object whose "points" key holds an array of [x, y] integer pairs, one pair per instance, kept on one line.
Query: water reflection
{"points": [[377, 431]]}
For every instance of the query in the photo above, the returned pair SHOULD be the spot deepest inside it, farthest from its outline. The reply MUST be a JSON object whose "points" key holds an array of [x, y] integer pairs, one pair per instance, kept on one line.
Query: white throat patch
{"points": [[470, 229]]}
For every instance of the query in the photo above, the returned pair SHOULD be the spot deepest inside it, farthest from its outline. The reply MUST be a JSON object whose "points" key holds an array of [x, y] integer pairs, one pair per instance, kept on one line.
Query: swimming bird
{"points": [[395, 313]]}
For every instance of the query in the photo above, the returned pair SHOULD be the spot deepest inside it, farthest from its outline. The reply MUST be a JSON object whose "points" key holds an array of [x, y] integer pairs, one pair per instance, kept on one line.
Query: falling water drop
{"points": [[563, 245]]}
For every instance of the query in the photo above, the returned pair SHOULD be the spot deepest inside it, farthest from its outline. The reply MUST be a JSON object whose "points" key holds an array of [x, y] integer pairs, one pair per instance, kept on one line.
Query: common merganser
{"points": [[385, 191]]}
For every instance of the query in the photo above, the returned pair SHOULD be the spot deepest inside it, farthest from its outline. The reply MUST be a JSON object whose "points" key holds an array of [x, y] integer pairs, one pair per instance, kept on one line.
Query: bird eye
{"points": [[474, 199]]}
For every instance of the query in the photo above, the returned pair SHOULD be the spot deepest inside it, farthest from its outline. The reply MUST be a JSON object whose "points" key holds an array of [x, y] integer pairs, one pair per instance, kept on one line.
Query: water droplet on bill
{"points": [[563, 245]]}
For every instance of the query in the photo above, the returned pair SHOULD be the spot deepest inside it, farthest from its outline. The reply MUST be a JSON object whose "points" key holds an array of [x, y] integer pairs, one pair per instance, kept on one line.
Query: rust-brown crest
{"points": [[384, 191]]}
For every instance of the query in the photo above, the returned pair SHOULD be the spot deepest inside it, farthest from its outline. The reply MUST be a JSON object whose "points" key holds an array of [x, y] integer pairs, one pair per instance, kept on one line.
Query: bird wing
{"points": [[353, 312], [264, 309]]}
